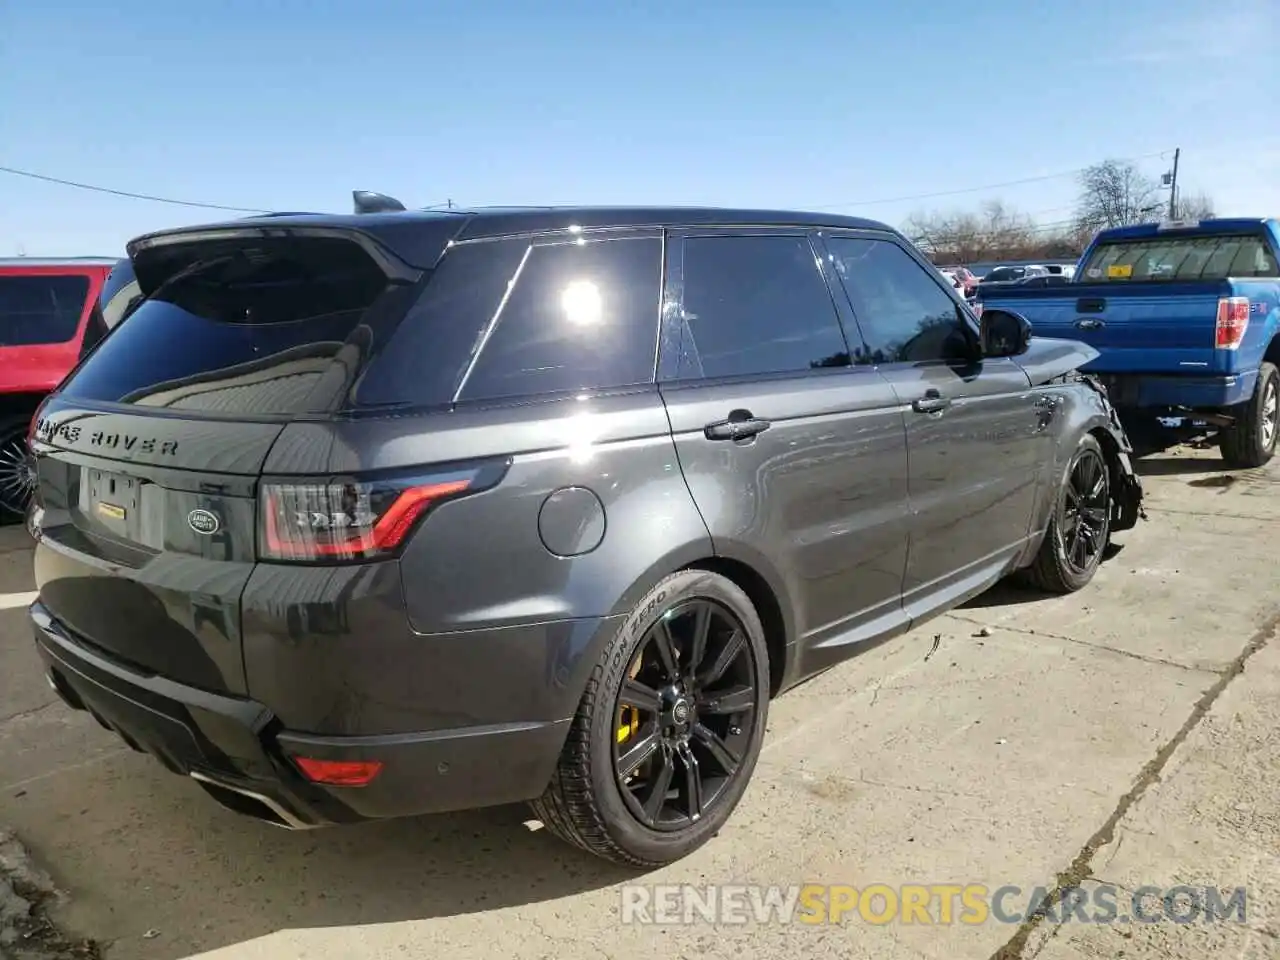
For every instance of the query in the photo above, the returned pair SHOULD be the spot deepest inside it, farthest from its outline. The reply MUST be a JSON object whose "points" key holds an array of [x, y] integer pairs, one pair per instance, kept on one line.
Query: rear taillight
{"points": [[339, 773], [1233, 321], [349, 519]]}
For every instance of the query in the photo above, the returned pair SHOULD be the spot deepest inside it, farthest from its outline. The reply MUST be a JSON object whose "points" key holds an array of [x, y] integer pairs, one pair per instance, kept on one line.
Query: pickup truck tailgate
{"points": [[1148, 328]]}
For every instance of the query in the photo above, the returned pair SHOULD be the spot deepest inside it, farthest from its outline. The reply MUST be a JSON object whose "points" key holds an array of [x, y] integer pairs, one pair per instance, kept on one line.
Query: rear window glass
{"points": [[1181, 258], [40, 309], [272, 327]]}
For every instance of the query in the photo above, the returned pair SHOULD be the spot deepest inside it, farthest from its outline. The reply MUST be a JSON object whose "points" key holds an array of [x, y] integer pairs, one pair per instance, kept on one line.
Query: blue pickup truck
{"points": [[1185, 316]]}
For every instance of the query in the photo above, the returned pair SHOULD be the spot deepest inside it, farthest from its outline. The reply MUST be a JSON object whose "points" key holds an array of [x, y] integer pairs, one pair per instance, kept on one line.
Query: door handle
{"points": [[931, 402], [740, 425]]}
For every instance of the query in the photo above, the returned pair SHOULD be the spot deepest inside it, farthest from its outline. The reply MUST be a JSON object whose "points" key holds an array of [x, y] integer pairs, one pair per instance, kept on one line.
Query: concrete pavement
{"points": [[1126, 735]]}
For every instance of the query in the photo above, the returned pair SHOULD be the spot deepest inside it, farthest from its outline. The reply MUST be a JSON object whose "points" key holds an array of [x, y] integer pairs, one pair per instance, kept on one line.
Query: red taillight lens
{"points": [[339, 773], [355, 519], [1233, 321]]}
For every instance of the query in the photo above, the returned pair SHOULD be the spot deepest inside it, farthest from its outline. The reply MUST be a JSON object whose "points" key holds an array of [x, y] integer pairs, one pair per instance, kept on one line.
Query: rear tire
{"points": [[16, 478], [683, 791], [1251, 440], [1079, 527]]}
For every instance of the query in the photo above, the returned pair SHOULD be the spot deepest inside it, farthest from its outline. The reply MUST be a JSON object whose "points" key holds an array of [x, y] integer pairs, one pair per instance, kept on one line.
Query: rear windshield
{"points": [[1006, 273], [1216, 257], [274, 328], [41, 309]]}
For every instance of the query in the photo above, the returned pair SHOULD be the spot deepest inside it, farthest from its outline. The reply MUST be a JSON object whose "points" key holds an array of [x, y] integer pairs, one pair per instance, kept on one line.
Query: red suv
{"points": [[49, 318]]}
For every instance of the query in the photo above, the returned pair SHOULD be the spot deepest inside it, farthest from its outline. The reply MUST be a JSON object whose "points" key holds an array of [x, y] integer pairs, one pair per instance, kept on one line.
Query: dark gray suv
{"points": [[382, 514]]}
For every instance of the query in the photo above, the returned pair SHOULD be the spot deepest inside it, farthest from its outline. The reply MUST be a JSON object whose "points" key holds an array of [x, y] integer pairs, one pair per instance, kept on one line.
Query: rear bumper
{"points": [[1153, 391], [238, 750]]}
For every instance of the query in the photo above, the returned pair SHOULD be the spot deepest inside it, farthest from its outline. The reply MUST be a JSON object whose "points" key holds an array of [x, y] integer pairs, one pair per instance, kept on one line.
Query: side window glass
{"points": [[904, 315], [756, 305], [580, 316], [426, 357]]}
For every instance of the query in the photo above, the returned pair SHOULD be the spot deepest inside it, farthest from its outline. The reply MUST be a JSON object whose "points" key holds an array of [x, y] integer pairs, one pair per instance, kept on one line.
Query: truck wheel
{"points": [[1079, 527], [17, 479], [669, 728], [1251, 441]]}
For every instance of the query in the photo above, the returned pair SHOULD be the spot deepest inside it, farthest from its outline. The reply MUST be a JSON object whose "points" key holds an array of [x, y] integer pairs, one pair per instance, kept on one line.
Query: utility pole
{"points": [[1173, 186]]}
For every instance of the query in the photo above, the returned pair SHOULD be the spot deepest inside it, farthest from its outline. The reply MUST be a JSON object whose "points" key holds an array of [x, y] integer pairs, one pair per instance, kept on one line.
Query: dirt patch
{"points": [[26, 932]]}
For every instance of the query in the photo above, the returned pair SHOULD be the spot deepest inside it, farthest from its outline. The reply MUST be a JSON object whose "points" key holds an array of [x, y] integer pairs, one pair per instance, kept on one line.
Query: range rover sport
{"points": [[373, 515]]}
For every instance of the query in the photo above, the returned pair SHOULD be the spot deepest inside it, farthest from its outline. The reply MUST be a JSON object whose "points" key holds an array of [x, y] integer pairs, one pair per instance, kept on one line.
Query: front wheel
{"points": [[669, 728], [17, 474], [1251, 440], [1080, 525]]}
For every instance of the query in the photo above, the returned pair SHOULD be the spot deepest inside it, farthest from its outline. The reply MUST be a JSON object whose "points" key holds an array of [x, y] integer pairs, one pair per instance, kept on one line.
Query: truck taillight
{"points": [[337, 520], [1233, 321]]}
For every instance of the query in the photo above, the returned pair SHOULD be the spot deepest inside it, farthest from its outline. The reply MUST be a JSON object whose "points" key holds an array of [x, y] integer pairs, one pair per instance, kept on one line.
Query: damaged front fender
{"points": [[1127, 506]]}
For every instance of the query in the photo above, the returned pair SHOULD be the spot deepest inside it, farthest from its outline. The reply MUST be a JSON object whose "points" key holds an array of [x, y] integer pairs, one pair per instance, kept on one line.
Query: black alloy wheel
{"points": [[669, 727], [1079, 528], [17, 472], [685, 714], [1084, 521]]}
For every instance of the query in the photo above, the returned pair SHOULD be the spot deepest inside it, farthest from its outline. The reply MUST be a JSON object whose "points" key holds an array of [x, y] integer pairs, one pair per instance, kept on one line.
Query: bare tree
{"points": [[995, 231], [1115, 193], [1198, 206]]}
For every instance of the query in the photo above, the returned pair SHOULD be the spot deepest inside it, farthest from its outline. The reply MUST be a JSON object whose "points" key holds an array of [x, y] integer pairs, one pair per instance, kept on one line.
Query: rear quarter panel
{"points": [[480, 561], [477, 592], [1264, 321]]}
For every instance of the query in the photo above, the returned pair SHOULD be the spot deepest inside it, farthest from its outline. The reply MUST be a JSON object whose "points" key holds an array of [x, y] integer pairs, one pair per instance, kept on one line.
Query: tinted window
{"points": [[903, 314], [40, 309], [580, 316], [277, 327], [756, 305], [425, 360], [1001, 274], [1181, 258]]}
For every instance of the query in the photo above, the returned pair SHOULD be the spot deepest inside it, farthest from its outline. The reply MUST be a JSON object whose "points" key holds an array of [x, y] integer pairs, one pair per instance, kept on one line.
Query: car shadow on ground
{"points": [[1176, 466], [170, 875]]}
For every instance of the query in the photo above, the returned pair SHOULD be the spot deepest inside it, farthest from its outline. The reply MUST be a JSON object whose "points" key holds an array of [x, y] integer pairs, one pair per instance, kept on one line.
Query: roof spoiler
{"points": [[366, 201]]}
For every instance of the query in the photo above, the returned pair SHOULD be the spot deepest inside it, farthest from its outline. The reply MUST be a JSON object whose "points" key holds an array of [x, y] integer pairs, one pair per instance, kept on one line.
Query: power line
{"points": [[126, 193], [448, 204], [990, 186]]}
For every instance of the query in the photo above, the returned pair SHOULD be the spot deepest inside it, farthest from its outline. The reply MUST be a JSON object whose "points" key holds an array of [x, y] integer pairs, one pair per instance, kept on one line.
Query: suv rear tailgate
{"points": [[149, 456], [147, 536]]}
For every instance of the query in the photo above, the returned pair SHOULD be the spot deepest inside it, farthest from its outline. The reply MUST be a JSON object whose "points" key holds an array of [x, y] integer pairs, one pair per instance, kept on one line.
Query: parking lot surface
{"points": [[1128, 735]]}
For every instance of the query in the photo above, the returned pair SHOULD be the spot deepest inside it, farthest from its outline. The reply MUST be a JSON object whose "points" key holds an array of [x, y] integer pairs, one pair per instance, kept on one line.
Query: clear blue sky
{"points": [[291, 104]]}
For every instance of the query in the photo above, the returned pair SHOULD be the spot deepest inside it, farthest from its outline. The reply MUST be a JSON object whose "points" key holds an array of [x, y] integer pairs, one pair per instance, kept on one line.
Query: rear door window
{"points": [[41, 309], [753, 306], [578, 315], [260, 328]]}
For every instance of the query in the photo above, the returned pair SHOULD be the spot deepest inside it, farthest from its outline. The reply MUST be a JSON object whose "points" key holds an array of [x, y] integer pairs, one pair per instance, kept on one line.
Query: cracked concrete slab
{"points": [[1212, 821], [994, 759]]}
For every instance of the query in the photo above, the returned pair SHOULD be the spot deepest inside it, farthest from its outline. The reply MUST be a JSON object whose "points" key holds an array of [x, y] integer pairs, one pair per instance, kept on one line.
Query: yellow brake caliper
{"points": [[628, 716]]}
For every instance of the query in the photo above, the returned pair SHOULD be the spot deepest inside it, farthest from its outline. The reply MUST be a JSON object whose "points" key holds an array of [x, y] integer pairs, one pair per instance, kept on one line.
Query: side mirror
{"points": [[1003, 333]]}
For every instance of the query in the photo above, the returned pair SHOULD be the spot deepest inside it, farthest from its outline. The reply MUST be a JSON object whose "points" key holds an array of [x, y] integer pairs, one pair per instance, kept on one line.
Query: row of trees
{"points": [[1113, 193]]}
